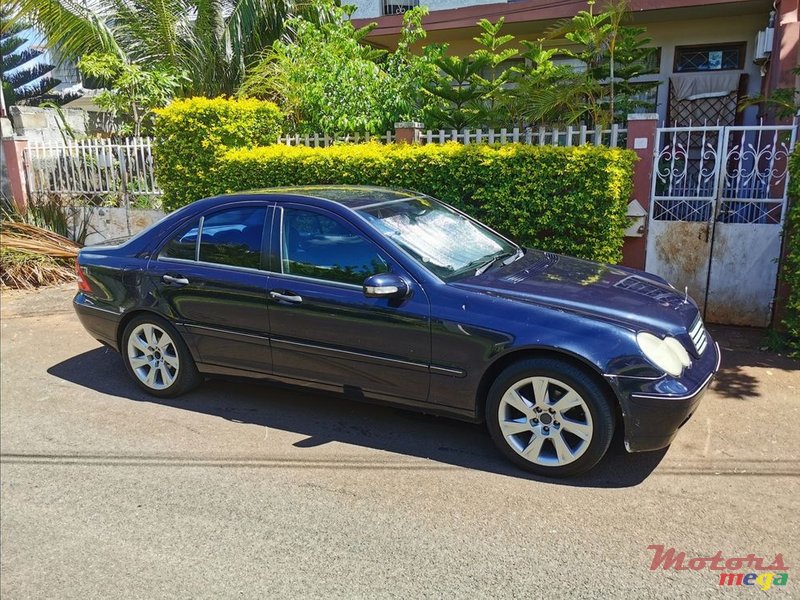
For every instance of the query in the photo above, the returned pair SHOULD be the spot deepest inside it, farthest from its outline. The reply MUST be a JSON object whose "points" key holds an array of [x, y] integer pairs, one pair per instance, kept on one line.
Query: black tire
{"points": [[599, 421], [185, 375]]}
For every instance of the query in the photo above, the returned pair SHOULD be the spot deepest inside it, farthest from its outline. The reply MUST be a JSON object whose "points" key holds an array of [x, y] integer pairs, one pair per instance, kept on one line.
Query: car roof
{"points": [[351, 196]]}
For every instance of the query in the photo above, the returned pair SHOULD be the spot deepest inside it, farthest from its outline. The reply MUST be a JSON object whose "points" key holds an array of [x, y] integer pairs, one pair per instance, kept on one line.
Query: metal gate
{"points": [[716, 213]]}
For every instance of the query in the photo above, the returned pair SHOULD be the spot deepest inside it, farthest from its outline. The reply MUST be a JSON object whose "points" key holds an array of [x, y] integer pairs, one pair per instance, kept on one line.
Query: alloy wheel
{"points": [[545, 421], [153, 356]]}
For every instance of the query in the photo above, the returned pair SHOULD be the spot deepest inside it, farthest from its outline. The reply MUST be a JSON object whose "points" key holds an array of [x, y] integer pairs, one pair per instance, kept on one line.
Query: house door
{"points": [[716, 213]]}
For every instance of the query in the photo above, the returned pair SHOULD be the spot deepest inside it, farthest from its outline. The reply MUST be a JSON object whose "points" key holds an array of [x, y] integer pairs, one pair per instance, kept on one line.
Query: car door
{"points": [[211, 277], [323, 328]]}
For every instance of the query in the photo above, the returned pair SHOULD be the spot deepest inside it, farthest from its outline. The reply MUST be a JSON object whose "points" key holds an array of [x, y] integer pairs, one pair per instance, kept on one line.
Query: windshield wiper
{"points": [[508, 256]]}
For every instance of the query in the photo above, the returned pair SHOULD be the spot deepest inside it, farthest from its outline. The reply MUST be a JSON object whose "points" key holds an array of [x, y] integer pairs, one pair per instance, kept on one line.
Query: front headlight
{"points": [[667, 354]]}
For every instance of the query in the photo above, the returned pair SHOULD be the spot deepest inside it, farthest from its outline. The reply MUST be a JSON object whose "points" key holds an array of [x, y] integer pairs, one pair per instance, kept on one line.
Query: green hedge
{"points": [[568, 200], [193, 134], [791, 265]]}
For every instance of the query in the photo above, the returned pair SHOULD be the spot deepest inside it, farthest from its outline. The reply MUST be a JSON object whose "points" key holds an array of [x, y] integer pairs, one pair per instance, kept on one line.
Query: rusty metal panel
{"points": [[744, 270], [679, 252], [717, 209], [684, 192], [746, 240]]}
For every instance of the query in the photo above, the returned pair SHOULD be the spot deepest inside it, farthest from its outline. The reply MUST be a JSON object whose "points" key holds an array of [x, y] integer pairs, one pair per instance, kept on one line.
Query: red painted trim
{"points": [[518, 12], [633, 250]]}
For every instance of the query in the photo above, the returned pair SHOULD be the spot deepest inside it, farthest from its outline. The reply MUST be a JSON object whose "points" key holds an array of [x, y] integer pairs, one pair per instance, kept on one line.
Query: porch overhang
{"points": [[532, 16]]}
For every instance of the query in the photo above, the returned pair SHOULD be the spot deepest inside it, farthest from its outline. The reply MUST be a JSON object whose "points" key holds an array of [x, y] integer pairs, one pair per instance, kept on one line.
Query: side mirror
{"points": [[385, 285]]}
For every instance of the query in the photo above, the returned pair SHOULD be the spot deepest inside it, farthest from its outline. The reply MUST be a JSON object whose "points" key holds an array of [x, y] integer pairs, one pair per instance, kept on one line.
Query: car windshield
{"points": [[446, 242]]}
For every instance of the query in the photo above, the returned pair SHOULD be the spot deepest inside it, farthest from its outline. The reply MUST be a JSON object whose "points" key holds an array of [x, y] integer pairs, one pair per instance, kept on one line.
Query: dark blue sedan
{"points": [[392, 296]]}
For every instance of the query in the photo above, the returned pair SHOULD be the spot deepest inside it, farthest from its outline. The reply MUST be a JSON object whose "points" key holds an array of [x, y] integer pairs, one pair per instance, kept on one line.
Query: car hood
{"points": [[624, 295]]}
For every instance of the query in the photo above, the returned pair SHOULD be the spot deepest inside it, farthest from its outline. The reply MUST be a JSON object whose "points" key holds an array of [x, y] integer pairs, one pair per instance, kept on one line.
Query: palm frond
{"points": [[71, 27]]}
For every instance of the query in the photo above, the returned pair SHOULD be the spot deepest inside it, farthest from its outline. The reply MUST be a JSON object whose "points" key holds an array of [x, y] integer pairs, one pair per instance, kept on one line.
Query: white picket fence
{"points": [[613, 137], [318, 140], [93, 167]]}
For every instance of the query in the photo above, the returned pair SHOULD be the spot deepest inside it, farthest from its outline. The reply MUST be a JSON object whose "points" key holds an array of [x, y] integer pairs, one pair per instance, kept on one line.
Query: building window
{"points": [[398, 7], [721, 57]]}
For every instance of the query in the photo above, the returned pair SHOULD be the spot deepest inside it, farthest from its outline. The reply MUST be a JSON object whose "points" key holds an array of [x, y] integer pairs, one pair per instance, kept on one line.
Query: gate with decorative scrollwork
{"points": [[716, 213]]}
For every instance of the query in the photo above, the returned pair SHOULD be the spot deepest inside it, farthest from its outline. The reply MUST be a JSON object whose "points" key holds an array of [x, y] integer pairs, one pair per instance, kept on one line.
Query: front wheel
{"points": [[549, 417], [157, 358]]}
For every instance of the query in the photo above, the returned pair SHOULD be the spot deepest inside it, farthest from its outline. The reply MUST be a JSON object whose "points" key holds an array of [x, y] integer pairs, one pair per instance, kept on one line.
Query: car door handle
{"points": [[290, 298], [175, 280]]}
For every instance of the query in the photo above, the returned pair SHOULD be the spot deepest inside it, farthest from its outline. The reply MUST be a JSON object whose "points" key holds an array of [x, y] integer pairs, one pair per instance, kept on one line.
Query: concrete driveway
{"points": [[246, 490]]}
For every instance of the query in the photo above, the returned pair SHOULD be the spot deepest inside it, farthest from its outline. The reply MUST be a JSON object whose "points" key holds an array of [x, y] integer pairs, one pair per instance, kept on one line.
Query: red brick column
{"points": [[785, 56], [641, 139], [407, 132], [13, 149]]}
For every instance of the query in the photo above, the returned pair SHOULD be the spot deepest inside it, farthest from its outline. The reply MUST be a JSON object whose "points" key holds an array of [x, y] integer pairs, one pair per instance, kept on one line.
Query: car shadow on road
{"points": [[325, 418], [741, 350]]}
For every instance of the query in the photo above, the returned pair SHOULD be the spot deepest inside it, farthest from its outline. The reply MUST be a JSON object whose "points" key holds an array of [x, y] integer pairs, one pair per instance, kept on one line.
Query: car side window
{"points": [[233, 237], [318, 246], [184, 244]]}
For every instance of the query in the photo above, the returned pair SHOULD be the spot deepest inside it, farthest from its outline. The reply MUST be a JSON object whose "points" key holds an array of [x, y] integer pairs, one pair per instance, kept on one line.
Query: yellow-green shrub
{"points": [[191, 136], [570, 200]]}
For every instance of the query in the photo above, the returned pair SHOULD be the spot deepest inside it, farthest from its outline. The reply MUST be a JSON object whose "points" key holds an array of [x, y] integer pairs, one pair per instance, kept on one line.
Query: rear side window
{"points": [[183, 245], [233, 237]]}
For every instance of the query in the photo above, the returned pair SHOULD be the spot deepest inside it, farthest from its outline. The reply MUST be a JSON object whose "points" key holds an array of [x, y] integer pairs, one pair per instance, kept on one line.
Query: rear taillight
{"points": [[83, 283]]}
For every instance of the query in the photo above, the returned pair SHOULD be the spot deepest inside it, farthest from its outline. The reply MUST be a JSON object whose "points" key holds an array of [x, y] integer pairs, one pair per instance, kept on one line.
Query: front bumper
{"points": [[654, 410]]}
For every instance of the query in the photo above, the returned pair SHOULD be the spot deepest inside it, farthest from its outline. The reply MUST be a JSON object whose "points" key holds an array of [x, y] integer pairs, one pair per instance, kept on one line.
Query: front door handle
{"points": [[175, 280], [289, 297]]}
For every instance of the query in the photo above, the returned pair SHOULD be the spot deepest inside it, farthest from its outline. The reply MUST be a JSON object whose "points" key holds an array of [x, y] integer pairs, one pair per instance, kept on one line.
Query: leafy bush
{"points": [[791, 266], [328, 80], [134, 92], [193, 134], [569, 200]]}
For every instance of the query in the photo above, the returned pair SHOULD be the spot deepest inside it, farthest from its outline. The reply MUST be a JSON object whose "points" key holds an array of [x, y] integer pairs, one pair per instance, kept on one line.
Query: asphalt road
{"points": [[250, 491]]}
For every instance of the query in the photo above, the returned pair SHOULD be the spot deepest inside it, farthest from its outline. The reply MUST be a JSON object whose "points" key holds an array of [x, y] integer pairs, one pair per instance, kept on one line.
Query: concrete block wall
{"points": [[45, 124], [105, 224]]}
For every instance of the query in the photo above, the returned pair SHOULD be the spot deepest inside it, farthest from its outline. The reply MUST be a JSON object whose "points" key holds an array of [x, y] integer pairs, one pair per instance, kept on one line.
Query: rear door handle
{"points": [[175, 280], [289, 297]]}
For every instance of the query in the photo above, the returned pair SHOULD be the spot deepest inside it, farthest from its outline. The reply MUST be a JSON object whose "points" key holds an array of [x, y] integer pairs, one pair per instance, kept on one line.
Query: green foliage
{"points": [[495, 80], [791, 266], [328, 81], [472, 91], [613, 54], [784, 101], [25, 79], [133, 91], [191, 135], [213, 41], [457, 92], [570, 200], [408, 72], [537, 75]]}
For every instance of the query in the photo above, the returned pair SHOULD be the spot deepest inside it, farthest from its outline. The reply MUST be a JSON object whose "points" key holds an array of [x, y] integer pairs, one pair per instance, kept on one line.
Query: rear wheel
{"points": [[549, 417], [157, 357]]}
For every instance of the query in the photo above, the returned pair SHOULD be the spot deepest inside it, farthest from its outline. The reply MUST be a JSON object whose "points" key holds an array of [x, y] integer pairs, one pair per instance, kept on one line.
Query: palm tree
{"points": [[212, 41]]}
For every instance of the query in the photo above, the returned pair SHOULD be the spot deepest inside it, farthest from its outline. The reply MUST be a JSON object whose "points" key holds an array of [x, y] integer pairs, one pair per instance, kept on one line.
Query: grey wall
{"points": [[45, 124]]}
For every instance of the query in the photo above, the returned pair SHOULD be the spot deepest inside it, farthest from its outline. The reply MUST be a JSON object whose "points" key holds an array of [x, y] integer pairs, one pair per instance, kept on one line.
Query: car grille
{"points": [[698, 335]]}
